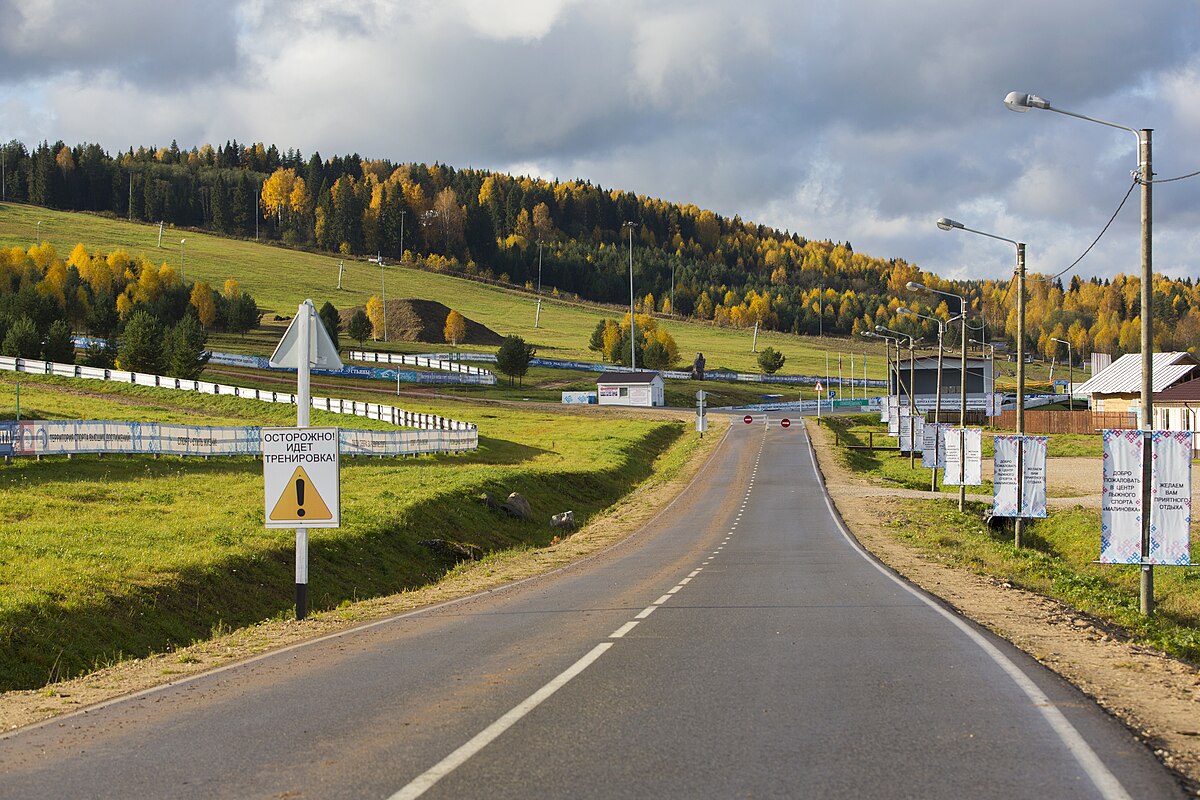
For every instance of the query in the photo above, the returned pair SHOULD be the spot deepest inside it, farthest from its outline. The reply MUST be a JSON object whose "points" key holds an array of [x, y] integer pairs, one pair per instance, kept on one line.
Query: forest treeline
{"points": [[141, 316], [687, 261]]}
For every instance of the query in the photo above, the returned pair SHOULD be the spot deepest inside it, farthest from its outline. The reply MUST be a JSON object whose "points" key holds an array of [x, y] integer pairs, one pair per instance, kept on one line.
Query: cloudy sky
{"points": [[854, 121]]}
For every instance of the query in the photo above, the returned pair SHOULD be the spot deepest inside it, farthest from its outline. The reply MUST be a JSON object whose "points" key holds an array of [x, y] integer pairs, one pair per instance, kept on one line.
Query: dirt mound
{"points": [[414, 320]]}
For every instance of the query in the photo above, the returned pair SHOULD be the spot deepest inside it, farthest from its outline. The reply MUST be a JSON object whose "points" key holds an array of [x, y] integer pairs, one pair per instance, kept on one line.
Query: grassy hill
{"points": [[280, 279]]}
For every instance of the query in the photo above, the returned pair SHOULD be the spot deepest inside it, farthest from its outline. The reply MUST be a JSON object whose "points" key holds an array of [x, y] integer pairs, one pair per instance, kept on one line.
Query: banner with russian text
{"points": [[1121, 498], [1171, 506], [1005, 500], [1033, 467], [953, 439], [893, 415]]}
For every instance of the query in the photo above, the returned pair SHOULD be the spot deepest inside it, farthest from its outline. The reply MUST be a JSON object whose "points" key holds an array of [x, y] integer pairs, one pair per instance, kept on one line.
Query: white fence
{"points": [[429, 362], [70, 437], [378, 411]]}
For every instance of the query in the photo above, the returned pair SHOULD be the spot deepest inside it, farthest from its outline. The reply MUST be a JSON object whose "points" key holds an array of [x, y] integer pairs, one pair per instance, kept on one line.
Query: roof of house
{"points": [[627, 377], [1124, 376], [1186, 392]]}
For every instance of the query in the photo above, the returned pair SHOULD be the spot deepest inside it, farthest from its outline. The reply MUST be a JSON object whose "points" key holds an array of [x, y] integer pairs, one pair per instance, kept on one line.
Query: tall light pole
{"points": [[912, 403], [632, 322], [39, 233], [913, 286], [538, 314], [937, 400], [1070, 373], [402, 213], [1018, 101], [181, 273]]}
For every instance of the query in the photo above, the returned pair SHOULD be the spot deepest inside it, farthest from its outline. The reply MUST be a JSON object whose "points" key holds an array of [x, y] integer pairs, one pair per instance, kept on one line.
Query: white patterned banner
{"points": [[893, 415], [1121, 498], [973, 440], [1005, 499], [1030, 501], [1033, 465], [905, 431], [933, 445], [1171, 506]]}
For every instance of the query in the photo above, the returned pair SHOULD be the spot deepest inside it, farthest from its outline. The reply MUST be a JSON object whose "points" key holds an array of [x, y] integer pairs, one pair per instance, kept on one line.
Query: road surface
{"points": [[741, 645]]}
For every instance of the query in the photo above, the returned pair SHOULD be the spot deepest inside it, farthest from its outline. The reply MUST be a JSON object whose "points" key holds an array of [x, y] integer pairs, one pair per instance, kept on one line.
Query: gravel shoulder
{"points": [[1155, 696]]}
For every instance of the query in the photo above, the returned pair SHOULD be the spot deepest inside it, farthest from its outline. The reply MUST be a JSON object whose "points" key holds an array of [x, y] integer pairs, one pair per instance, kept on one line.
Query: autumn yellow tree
{"points": [[375, 314], [205, 305], [456, 328]]}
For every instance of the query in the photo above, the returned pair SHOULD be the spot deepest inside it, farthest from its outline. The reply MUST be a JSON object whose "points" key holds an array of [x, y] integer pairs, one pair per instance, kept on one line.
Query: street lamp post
{"points": [[912, 403], [887, 349], [39, 233], [913, 286], [937, 400], [632, 321], [1070, 373], [945, 223], [181, 252], [1018, 101], [537, 315]]}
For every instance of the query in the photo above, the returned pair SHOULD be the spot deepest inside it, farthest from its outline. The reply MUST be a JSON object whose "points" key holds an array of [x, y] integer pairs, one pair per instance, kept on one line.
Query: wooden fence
{"points": [[1067, 421]]}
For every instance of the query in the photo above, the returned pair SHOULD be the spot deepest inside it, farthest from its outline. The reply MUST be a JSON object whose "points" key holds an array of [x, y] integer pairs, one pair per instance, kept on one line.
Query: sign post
{"points": [[701, 417], [305, 344]]}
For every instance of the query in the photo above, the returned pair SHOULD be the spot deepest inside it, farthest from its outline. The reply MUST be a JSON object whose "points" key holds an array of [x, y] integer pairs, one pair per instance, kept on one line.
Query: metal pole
{"points": [[538, 314], [303, 407], [937, 403], [1070, 380], [1147, 176], [182, 279], [962, 410], [1018, 522], [912, 406]]}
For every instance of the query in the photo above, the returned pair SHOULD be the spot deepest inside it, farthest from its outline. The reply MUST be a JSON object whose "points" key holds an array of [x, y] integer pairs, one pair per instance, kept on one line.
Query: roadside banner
{"points": [[893, 420], [973, 439], [1033, 465], [1028, 497], [1171, 498], [933, 445], [1121, 498], [905, 431], [1171, 508]]}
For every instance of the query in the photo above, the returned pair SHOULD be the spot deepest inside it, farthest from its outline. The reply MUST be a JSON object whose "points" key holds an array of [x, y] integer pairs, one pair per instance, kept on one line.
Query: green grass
{"points": [[104, 558], [1056, 560], [280, 279]]}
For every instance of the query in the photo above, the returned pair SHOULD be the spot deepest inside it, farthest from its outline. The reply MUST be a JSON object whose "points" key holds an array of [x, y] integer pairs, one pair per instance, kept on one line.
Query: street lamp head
{"points": [[870, 334], [181, 241], [880, 328], [945, 223], [913, 286], [1021, 102], [903, 311]]}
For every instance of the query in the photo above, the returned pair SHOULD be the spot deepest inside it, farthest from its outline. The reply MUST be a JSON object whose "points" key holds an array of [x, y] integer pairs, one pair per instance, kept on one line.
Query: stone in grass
{"points": [[491, 502], [518, 506]]}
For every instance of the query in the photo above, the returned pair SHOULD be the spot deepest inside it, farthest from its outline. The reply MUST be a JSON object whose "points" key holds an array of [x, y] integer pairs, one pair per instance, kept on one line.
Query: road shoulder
{"points": [[1157, 697]]}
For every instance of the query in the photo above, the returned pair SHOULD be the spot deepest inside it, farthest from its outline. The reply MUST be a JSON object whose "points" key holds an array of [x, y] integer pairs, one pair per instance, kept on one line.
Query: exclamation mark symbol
{"points": [[300, 497]]}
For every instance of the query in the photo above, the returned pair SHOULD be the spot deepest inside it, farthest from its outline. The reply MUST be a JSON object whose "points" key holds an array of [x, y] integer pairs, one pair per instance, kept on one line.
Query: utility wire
{"points": [[1103, 231], [1169, 180]]}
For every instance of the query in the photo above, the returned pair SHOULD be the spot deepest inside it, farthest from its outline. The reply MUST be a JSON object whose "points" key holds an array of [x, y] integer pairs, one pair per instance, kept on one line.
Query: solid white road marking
{"points": [[1101, 776], [423, 782]]}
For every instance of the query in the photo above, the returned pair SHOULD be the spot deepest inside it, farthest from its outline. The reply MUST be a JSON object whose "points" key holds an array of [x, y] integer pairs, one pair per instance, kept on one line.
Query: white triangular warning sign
{"points": [[300, 501]]}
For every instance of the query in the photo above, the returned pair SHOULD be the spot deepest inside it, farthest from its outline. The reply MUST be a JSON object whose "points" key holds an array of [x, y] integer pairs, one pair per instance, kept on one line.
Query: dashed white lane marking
{"points": [[423, 782], [685, 581], [695, 572], [645, 612], [662, 599], [624, 629], [674, 588]]}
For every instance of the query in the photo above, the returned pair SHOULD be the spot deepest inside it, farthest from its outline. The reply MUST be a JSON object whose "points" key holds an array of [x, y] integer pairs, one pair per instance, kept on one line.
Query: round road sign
{"points": [[785, 422], [748, 419]]}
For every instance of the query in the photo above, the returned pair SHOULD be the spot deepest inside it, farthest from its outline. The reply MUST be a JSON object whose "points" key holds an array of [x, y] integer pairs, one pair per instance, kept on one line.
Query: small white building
{"points": [[630, 389]]}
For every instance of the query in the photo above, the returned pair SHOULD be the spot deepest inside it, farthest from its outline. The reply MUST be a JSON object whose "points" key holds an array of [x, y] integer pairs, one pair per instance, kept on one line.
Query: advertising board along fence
{"points": [[482, 378], [72, 437], [376, 411]]}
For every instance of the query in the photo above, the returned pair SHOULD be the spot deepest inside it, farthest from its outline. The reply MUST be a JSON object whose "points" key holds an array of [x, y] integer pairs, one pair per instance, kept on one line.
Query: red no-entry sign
{"points": [[748, 419], [785, 422]]}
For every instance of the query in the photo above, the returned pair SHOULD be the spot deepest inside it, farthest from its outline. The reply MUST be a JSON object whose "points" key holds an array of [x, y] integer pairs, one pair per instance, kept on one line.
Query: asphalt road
{"points": [[739, 646]]}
